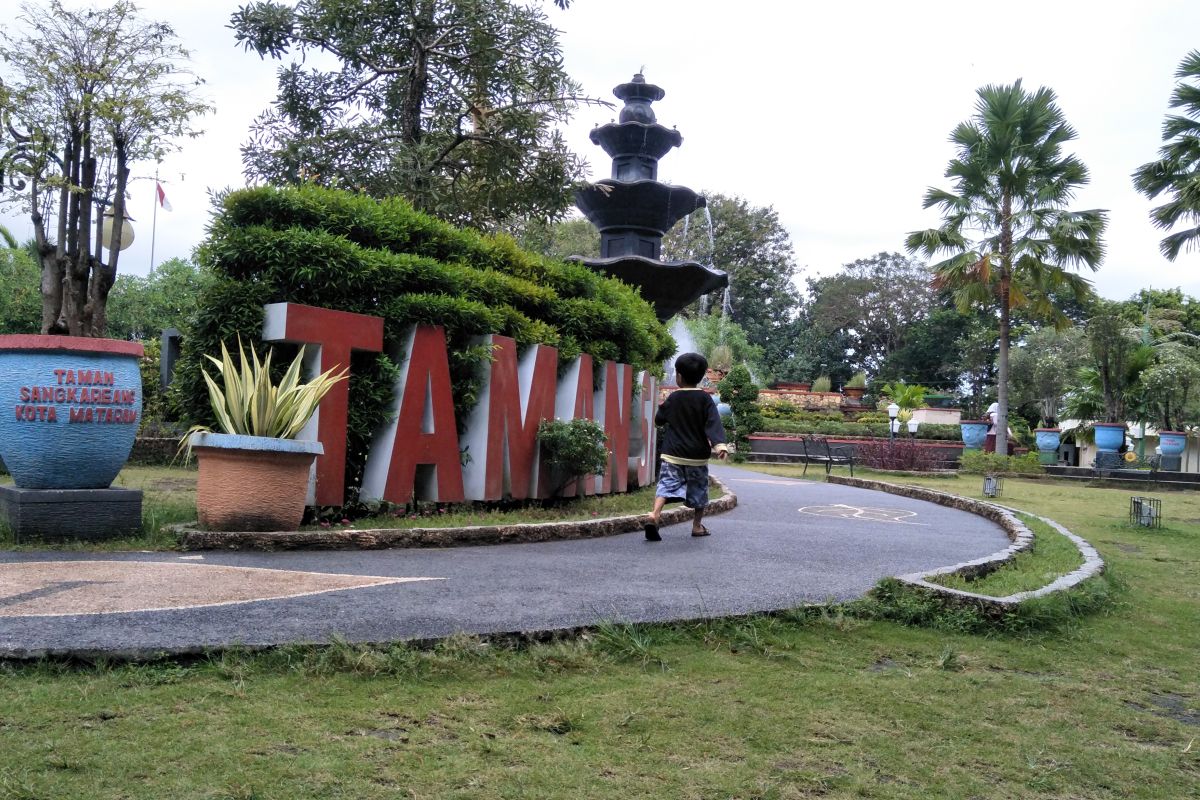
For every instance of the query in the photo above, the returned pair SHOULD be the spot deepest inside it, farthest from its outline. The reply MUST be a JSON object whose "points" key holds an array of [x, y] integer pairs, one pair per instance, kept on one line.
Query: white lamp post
{"points": [[892, 410], [912, 428]]}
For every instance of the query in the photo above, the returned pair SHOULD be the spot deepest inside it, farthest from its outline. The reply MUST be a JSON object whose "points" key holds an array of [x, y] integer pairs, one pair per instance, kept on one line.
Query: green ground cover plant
{"points": [[820, 702], [1051, 556]]}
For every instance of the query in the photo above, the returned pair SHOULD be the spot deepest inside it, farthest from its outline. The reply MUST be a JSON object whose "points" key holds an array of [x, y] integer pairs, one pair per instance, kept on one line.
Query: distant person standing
{"points": [[691, 430], [989, 443]]}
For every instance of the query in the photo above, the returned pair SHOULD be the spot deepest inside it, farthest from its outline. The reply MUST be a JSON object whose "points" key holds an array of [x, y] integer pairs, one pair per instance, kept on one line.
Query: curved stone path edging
{"points": [[386, 538], [1018, 533]]}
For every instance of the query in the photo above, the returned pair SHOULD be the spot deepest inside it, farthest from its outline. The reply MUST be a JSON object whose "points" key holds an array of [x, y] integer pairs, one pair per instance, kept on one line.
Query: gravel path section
{"points": [[787, 543]]}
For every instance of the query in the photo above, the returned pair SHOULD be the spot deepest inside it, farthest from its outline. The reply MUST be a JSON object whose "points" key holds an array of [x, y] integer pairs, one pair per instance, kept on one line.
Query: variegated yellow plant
{"points": [[246, 402]]}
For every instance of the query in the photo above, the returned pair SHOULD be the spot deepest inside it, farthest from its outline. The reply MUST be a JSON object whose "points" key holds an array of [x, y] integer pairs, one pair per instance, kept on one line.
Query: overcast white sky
{"points": [[837, 114]]}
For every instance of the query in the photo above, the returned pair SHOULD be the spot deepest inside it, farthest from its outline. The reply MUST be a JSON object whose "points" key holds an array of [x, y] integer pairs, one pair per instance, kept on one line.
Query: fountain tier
{"points": [[633, 210]]}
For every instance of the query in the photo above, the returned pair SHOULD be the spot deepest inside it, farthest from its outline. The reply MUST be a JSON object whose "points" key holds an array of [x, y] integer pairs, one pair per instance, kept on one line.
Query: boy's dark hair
{"points": [[691, 368]]}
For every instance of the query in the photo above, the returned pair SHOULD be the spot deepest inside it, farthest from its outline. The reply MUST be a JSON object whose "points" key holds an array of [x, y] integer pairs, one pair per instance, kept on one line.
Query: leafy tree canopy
{"points": [[1176, 173], [1007, 234], [751, 244], [874, 301], [87, 95], [451, 104], [142, 307]]}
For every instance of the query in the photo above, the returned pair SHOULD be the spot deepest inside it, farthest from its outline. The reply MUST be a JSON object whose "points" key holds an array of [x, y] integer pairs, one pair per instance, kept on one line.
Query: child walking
{"points": [[691, 429]]}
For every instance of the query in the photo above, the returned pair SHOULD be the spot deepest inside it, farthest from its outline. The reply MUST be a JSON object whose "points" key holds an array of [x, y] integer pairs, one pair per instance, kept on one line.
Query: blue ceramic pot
{"points": [[71, 409], [1048, 439], [974, 431], [1109, 436], [1172, 443]]}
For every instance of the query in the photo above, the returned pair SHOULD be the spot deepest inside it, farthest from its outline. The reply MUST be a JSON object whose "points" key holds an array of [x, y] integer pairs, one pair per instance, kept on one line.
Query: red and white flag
{"points": [[162, 197]]}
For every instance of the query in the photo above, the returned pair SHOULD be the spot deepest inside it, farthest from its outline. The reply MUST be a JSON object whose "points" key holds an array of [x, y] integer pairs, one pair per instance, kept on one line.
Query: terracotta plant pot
{"points": [[252, 483], [73, 405], [854, 392]]}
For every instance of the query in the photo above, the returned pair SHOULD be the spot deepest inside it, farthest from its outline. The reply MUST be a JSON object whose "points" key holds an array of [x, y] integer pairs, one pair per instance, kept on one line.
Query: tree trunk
{"points": [[1005, 294], [1002, 370], [104, 275]]}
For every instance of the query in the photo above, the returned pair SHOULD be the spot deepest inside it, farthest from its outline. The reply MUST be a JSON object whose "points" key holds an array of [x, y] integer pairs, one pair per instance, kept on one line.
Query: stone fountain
{"points": [[633, 210]]}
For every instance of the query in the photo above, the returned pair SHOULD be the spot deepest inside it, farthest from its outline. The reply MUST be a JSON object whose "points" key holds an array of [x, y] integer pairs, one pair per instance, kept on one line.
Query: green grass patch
{"points": [[1092, 695], [1052, 556]]}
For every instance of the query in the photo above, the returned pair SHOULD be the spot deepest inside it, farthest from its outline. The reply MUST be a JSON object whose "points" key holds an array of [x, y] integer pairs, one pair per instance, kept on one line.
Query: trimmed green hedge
{"points": [[338, 250], [878, 430]]}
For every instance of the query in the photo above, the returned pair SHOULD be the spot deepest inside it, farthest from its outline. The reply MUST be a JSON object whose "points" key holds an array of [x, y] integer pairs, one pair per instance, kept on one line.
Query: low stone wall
{"points": [[153, 451], [1020, 536], [386, 538]]}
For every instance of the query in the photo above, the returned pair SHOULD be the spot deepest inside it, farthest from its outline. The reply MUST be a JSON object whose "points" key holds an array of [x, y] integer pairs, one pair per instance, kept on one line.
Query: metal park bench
{"points": [[810, 450], [819, 451]]}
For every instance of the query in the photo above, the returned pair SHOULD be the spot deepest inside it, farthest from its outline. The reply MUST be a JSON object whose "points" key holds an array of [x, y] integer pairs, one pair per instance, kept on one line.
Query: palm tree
{"points": [[1177, 171], [1005, 226], [7, 238]]}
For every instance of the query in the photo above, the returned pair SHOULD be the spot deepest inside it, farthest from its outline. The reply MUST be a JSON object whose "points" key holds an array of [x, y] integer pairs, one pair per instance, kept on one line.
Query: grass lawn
{"points": [[797, 705]]}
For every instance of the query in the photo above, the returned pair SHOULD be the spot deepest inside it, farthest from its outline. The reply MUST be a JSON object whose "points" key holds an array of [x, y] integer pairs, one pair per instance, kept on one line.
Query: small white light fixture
{"points": [[106, 231], [912, 427], [895, 426], [893, 410]]}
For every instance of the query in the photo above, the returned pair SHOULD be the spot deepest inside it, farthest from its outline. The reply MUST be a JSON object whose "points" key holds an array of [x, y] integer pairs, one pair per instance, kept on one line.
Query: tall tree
{"points": [[141, 307], [751, 244], [1043, 369], [874, 301], [1005, 225], [1177, 170], [454, 104], [94, 93]]}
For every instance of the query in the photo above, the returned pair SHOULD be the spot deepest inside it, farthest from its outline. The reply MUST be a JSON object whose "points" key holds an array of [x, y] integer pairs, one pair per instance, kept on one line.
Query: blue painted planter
{"points": [[1172, 443], [1109, 436], [974, 431], [71, 408], [1048, 439]]}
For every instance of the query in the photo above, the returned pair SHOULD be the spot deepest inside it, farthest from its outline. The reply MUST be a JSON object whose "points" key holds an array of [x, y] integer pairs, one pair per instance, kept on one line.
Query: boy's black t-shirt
{"points": [[690, 422]]}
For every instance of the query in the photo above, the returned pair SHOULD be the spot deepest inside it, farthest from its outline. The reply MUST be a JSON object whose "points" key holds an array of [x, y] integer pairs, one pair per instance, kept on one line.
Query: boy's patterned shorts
{"points": [[676, 481]]}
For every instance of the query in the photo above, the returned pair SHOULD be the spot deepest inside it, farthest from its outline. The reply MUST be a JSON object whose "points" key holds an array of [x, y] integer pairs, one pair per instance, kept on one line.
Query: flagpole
{"points": [[154, 222]]}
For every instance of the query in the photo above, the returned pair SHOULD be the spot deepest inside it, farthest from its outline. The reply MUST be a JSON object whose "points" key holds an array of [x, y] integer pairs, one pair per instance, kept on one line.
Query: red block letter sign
{"points": [[642, 440], [615, 412], [335, 334], [574, 401], [501, 432], [422, 431]]}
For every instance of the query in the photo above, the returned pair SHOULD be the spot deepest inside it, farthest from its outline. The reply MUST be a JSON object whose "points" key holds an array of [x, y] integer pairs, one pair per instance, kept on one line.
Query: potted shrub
{"points": [[254, 476], [572, 452], [856, 387], [822, 384], [1048, 440]]}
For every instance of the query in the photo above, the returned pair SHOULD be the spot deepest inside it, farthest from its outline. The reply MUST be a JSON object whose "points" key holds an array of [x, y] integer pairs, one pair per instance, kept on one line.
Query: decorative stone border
{"points": [[382, 538], [1020, 536]]}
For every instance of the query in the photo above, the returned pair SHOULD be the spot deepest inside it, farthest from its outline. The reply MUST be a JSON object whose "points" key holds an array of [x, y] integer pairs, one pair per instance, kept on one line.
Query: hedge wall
{"points": [[878, 430], [334, 249]]}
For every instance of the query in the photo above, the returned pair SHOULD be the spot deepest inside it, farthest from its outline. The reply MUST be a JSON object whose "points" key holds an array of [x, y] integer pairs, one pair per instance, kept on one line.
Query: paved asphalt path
{"points": [[787, 543]]}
